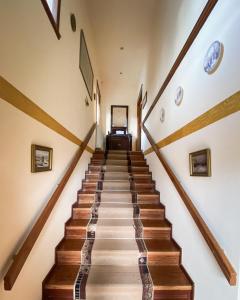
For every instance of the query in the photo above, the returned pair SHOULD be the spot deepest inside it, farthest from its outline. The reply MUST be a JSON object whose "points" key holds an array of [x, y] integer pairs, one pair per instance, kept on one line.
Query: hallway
{"points": [[119, 125]]}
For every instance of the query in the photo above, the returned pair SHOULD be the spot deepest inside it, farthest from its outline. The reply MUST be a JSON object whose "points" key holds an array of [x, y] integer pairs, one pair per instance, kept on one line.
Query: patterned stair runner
{"points": [[114, 256]]}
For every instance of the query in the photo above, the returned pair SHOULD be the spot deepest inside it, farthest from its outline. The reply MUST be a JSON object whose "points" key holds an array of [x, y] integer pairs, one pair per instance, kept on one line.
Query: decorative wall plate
{"points": [[213, 57], [178, 96], [73, 22], [162, 114]]}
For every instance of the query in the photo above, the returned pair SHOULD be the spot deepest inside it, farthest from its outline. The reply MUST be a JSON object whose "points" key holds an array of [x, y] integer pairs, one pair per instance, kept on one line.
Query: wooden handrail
{"points": [[217, 251], [22, 255], [194, 33]]}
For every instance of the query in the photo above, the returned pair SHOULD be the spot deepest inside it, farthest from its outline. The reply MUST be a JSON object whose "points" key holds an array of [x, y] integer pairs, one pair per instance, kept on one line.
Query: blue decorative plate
{"points": [[162, 114], [178, 96], [213, 57]]}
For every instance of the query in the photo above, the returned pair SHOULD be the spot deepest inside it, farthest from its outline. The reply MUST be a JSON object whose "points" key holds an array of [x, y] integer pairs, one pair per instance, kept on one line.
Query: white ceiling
{"points": [[121, 23]]}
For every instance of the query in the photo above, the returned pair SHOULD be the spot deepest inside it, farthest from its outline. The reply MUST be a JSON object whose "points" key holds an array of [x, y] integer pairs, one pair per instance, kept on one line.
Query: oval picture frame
{"points": [[73, 22], [178, 96], [213, 57]]}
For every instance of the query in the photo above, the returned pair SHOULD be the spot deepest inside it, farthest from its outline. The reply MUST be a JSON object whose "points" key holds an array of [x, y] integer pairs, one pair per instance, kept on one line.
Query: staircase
{"points": [[118, 243]]}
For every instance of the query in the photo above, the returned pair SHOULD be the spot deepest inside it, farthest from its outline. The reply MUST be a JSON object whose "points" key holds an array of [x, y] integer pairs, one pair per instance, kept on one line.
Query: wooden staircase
{"points": [[111, 174]]}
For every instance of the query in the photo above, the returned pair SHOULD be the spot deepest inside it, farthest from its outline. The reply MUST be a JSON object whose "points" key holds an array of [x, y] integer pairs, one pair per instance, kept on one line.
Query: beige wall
{"points": [[46, 70], [216, 197]]}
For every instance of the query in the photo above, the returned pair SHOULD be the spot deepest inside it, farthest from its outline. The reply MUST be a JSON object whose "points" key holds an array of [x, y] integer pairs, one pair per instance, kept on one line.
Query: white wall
{"points": [[46, 70], [216, 196]]}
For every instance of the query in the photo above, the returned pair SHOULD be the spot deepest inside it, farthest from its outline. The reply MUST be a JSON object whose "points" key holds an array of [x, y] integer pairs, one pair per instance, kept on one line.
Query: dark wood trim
{"points": [[194, 33], [22, 255], [82, 36], [124, 106], [217, 251], [99, 93], [55, 24], [139, 118]]}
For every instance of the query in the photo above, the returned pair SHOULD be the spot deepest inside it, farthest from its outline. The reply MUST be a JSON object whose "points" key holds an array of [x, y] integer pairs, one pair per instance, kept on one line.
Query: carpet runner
{"points": [[114, 255]]}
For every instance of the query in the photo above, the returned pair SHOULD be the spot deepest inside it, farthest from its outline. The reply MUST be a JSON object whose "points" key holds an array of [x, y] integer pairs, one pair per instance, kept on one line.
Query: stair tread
{"points": [[169, 277], [151, 206], [62, 277]]}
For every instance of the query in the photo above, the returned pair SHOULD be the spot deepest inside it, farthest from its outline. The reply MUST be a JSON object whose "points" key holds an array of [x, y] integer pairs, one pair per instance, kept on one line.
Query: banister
{"points": [[22, 255], [217, 251]]}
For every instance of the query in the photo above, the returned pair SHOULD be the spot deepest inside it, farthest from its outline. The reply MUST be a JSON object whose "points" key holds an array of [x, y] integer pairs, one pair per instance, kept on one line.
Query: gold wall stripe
{"points": [[13, 96], [218, 112]]}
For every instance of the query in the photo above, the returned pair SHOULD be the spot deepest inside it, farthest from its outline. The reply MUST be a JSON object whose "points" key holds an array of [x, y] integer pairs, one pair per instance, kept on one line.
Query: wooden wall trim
{"points": [[14, 97], [215, 248], [216, 113], [22, 255], [194, 33]]}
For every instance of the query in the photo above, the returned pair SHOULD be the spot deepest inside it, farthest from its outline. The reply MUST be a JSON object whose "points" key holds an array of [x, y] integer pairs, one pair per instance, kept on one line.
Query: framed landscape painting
{"points": [[41, 158], [200, 163], [85, 65]]}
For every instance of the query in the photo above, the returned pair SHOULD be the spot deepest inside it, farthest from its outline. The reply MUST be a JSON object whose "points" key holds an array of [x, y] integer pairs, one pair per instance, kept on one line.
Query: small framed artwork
{"points": [[41, 159], [200, 163]]}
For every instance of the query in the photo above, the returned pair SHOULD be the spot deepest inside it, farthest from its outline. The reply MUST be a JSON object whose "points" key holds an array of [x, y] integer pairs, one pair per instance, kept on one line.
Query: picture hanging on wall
{"points": [[41, 158], [144, 101], [85, 65], [200, 163], [179, 96], [213, 57], [162, 114]]}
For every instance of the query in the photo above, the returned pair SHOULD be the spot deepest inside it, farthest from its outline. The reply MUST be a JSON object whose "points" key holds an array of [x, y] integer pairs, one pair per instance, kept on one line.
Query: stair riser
{"points": [[79, 213], [86, 198], [76, 233], [152, 214], [156, 233], [57, 294], [69, 257], [172, 295], [145, 199], [160, 259]]}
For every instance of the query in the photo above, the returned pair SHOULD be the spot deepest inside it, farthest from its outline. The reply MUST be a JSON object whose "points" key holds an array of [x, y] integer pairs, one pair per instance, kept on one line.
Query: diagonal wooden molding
{"points": [[194, 33], [216, 113], [14, 97], [221, 258]]}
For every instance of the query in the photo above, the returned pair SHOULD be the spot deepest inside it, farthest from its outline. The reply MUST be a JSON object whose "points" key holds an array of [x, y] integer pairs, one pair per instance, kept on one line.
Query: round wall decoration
{"points": [[178, 96], [73, 22], [213, 57], [162, 114]]}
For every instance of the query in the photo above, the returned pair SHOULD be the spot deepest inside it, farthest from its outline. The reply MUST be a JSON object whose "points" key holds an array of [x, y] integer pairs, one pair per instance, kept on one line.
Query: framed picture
{"points": [[85, 65], [41, 158], [200, 163]]}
